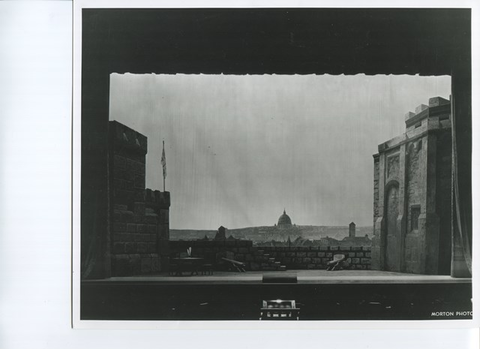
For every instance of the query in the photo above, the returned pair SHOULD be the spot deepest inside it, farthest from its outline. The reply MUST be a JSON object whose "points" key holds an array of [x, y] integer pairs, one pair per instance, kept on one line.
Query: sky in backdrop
{"points": [[242, 148]]}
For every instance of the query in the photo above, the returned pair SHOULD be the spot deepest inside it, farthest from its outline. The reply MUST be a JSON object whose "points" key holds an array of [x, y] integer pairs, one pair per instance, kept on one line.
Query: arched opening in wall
{"points": [[393, 233]]}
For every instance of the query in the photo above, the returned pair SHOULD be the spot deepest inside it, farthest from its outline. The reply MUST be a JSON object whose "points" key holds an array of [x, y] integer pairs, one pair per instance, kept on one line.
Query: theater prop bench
{"points": [[337, 263], [235, 265], [186, 264]]}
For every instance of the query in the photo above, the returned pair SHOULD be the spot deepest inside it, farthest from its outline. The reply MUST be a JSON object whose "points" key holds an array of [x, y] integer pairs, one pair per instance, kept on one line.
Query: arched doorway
{"points": [[392, 248]]}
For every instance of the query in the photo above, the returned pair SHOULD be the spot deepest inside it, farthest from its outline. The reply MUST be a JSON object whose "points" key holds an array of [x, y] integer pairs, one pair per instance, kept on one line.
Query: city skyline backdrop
{"points": [[242, 148]]}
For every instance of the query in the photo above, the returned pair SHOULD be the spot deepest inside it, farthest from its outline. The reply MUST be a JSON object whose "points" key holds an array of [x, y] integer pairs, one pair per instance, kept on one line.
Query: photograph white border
{"points": [[243, 325], [35, 215]]}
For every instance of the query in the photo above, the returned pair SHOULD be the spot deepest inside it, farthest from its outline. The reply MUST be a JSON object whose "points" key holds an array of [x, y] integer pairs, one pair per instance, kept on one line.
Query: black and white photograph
{"points": [[273, 164], [211, 174]]}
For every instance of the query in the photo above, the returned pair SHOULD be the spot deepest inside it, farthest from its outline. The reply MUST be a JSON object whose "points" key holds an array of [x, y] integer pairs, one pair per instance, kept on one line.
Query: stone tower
{"points": [[412, 194], [221, 234], [139, 223], [351, 230]]}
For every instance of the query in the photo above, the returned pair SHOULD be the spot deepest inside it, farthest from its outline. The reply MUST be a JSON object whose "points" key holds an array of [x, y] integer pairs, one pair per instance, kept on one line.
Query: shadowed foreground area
{"points": [[321, 295]]}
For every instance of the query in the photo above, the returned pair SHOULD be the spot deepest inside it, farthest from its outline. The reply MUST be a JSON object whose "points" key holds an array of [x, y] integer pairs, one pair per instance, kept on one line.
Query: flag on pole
{"points": [[164, 162]]}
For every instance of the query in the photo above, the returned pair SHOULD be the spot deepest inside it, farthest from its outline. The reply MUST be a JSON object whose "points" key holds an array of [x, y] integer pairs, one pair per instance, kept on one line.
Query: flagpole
{"points": [[163, 165]]}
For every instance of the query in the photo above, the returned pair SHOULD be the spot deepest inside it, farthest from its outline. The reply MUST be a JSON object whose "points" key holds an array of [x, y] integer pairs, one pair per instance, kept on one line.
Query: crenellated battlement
{"points": [[157, 198], [427, 118], [437, 106], [123, 137], [412, 194], [140, 225]]}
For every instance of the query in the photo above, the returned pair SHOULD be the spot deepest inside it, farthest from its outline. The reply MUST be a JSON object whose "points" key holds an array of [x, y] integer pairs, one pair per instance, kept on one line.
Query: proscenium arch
{"points": [[257, 41]]}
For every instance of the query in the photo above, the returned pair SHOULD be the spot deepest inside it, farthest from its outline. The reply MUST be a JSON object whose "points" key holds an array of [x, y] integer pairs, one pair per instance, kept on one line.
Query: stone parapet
{"points": [[127, 264], [432, 124], [124, 138], [240, 250], [438, 101], [358, 258], [157, 198], [267, 258], [437, 106]]}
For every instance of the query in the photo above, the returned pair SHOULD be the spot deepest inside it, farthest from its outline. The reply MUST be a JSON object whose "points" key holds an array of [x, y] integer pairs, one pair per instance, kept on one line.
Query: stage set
{"points": [[116, 286]]}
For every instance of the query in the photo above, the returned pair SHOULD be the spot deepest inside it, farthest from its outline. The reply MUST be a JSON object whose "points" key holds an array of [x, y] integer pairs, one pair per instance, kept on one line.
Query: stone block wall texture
{"points": [[139, 216], [239, 250], [376, 186], [444, 199], [272, 258], [317, 257], [416, 193], [418, 164]]}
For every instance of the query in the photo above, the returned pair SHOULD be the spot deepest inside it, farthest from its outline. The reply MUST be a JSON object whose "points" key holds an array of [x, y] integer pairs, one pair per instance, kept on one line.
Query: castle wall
{"points": [[378, 240], [394, 210], [317, 257], [412, 185], [376, 184], [239, 250], [416, 206], [444, 199], [139, 216], [271, 258]]}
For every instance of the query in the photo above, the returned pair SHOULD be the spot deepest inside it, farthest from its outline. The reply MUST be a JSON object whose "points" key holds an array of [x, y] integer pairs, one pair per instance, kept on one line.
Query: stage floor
{"points": [[321, 295], [302, 277]]}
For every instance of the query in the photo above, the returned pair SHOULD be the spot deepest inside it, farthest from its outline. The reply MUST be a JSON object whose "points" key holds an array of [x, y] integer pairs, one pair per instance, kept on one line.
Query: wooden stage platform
{"points": [[321, 295], [302, 277]]}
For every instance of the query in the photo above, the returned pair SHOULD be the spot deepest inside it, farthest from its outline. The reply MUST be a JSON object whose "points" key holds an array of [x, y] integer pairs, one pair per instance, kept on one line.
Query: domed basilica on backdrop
{"points": [[286, 232], [284, 221]]}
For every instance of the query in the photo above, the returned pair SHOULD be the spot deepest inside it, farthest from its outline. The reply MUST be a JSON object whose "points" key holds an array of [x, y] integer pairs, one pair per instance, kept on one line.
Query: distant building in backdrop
{"points": [[284, 230], [284, 220]]}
